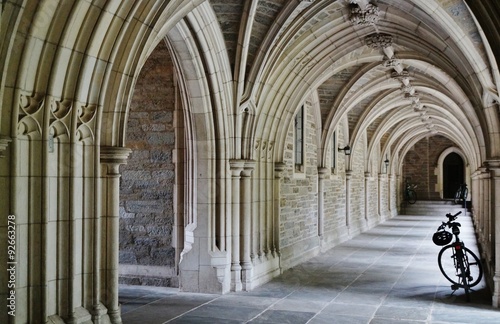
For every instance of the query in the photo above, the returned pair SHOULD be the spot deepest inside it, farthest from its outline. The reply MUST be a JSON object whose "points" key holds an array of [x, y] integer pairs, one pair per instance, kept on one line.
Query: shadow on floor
{"points": [[386, 275]]}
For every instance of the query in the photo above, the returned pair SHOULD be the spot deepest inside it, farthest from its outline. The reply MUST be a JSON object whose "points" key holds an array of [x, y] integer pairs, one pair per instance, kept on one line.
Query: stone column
{"points": [[367, 196], [484, 216], [494, 167], [279, 167], [322, 175], [479, 185], [381, 179], [474, 196], [111, 158], [348, 176], [246, 225], [389, 194], [236, 169]]}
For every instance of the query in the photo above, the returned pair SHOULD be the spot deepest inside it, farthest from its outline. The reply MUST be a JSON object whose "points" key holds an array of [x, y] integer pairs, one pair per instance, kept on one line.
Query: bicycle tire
{"points": [[449, 268], [412, 197]]}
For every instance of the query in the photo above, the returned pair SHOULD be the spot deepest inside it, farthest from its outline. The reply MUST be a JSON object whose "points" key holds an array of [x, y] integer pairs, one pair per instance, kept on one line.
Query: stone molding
{"points": [[4, 143]]}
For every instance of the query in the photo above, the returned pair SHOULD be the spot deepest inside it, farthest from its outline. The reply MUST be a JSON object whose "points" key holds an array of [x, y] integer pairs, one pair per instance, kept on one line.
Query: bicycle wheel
{"points": [[450, 268], [466, 192], [412, 196]]}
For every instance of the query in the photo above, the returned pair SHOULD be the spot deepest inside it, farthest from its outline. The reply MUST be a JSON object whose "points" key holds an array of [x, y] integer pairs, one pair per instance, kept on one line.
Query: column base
{"points": [[495, 299], [246, 276], [236, 284], [80, 316], [115, 316]]}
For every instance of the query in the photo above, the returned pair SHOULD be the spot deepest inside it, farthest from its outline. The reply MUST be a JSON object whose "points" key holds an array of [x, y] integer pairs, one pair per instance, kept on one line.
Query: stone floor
{"points": [[386, 275]]}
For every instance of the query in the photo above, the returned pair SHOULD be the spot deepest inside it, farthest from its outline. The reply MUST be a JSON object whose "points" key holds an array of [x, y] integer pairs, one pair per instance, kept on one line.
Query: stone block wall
{"points": [[299, 198], [299, 239], [147, 256], [420, 165], [335, 199], [357, 203]]}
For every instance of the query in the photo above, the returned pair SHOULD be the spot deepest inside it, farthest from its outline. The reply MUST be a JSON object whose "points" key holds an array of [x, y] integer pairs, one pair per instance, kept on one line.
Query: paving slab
{"points": [[388, 274]]}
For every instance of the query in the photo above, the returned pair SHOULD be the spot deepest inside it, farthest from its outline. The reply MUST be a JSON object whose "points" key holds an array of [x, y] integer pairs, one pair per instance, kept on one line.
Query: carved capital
{"points": [[248, 167], [279, 167], [113, 157], [323, 172], [236, 166]]}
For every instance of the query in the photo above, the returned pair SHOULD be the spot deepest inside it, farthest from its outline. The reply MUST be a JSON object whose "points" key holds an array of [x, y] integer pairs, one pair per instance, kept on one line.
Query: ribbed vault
{"points": [[380, 74]]}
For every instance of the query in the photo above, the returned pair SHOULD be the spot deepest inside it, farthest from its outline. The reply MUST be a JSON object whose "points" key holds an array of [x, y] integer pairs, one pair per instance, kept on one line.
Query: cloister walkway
{"points": [[388, 274]]}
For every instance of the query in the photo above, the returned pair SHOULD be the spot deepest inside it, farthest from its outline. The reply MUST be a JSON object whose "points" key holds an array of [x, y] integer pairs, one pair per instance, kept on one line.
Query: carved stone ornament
{"points": [[367, 16], [401, 76], [378, 40], [406, 88], [392, 63]]}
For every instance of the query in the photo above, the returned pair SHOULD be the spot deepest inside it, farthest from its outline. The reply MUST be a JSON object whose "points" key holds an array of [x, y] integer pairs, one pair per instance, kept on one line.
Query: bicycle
{"points": [[457, 263], [410, 193], [461, 194]]}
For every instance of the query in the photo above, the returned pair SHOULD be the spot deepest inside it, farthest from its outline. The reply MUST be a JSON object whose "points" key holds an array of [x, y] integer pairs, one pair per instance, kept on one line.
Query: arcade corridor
{"points": [[388, 274], [248, 154]]}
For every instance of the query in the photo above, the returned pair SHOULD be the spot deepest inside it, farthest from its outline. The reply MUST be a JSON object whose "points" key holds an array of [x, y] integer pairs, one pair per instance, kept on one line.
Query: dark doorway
{"points": [[453, 174]]}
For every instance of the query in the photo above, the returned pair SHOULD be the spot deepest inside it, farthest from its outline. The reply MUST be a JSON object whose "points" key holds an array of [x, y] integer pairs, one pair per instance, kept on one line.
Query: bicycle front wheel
{"points": [[412, 196], [450, 266]]}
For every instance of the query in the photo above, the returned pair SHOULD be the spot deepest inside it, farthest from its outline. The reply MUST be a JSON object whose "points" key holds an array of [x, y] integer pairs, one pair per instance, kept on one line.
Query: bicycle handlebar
{"points": [[449, 223], [453, 217]]}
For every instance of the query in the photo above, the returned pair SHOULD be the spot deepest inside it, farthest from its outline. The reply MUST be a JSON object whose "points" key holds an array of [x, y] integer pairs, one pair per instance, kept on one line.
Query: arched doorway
{"points": [[453, 174]]}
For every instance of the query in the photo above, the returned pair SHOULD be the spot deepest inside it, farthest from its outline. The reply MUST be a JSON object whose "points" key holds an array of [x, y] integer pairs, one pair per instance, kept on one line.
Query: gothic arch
{"points": [[439, 168]]}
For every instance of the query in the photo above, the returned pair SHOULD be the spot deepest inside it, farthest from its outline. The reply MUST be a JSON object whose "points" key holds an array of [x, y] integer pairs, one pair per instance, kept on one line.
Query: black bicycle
{"points": [[410, 193], [461, 194], [457, 263]]}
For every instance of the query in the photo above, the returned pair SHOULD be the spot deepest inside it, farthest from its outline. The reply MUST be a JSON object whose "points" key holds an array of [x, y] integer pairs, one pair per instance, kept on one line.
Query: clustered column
{"points": [[246, 228], [279, 167], [381, 179], [322, 175], [367, 196], [111, 158], [348, 176], [494, 167], [241, 224]]}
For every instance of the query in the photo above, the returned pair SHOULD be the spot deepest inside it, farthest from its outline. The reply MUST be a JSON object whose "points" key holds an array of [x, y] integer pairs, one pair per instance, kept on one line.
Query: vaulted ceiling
{"points": [[399, 70]]}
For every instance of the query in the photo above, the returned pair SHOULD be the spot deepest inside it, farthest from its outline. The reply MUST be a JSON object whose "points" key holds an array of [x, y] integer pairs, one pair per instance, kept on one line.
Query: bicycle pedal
{"points": [[455, 287]]}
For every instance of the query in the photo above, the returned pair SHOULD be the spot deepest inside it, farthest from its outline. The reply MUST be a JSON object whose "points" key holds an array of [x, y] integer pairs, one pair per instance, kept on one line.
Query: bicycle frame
{"points": [[467, 273]]}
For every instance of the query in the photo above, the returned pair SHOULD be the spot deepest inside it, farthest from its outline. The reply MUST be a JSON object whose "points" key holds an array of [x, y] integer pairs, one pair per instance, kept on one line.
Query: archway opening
{"points": [[453, 174], [149, 253]]}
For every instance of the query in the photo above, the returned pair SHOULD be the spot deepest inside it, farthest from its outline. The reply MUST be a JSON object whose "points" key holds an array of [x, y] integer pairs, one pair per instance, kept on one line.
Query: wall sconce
{"points": [[346, 149], [386, 162]]}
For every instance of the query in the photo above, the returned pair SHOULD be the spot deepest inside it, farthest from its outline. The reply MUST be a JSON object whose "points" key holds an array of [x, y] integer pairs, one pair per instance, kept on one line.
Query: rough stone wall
{"points": [[147, 183], [299, 198], [335, 199], [357, 214], [420, 164]]}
